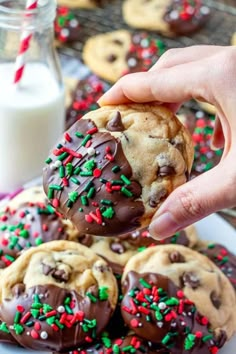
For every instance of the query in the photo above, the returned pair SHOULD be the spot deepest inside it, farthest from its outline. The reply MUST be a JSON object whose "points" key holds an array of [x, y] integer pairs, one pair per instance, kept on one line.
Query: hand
{"points": [[206, 73]]}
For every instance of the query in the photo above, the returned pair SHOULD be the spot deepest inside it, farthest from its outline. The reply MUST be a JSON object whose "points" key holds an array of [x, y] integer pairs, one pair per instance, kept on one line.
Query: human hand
{"points": [[206, 73]]}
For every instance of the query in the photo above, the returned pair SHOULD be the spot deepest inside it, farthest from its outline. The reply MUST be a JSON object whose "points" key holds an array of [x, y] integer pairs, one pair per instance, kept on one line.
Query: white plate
{"points": [[212, 228]]}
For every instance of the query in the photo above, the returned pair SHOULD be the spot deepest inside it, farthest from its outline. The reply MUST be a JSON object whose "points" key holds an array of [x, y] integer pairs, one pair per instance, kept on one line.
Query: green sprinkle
{"points": [[86, 173], [38, 241], [47, 308], [85, 328], [79, 135], [166, 339], [91, 297], [115, 169], [144, 283], [69, 168], [18, 328], [81, 210], [55, 187], [17, 317], [48, 161], [117, 182], [73, 196], [116, 349], [75, 180], [24, 233], [86, 139], [158, 315], [125, 179], [141, 249], [50, 193], [4, 328], [67, 300], [103, 293], [109, 213], [69, 204], [77, 171], [10, 258], [126, 192], [63, 156], [84, 200], [106, 202], [29, 323], [88, 186], [89, 165], [35, 313], [103, 180], [91, 192], [207, 337], [211, 246], [62, 171], [51, 320], [172, 301], [189, 341], [68, 309]]}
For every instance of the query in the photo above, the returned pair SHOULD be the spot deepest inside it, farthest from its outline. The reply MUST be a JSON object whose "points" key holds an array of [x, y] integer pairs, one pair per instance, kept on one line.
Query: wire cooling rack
{"points": [[218, 30]]}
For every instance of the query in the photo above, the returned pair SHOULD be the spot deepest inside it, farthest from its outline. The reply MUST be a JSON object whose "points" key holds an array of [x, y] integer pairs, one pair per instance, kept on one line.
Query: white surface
{"points": [[31, 120], [212, 228]]}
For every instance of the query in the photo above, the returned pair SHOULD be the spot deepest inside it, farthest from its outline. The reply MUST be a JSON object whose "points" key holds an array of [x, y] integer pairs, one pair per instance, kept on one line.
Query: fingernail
{"points": [[163, 226]]}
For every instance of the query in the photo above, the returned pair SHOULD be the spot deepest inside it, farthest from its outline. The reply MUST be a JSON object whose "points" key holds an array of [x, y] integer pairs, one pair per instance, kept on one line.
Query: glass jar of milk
{"points": [[31, 111]]}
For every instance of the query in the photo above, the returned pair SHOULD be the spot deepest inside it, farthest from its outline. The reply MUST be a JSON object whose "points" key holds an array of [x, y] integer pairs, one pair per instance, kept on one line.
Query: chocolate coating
{"points": [[52, 318], [5, 334], [168, 318], [188, 18], [30, 225], [67, 28], [85, 179], [224, 259]]}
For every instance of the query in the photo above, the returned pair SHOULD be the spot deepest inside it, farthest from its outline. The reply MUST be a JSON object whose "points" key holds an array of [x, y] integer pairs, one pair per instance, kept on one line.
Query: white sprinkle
{"points": [[132, 62], [91, 151], [140, 324], [74, 23], [174, 15], [199, 114], [57, 163], [65, 32], [138, 314], [29, 217], [182, 323], [162, 306], [61, 309], [144, 43], [160, 324], [205, 10], [44, 335]]}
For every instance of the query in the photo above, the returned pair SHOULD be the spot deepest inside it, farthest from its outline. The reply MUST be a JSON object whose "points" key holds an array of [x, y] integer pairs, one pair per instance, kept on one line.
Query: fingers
{"points": [[212, 191], [176, 56], [173, 85], [218, 139]]}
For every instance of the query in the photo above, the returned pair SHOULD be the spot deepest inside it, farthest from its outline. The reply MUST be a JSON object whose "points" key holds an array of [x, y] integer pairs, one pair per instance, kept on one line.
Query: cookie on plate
{"points": [[87, 4], [197, 276], [223, 258], [57, 296], [169, 17], [114, 54], [158, 311], [118, 250], [83, 97], [113, 168], [67, 28]]}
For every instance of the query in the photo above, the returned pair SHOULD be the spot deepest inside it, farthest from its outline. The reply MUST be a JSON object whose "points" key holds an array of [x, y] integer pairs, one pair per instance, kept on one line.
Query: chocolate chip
{"points": [[103, 268], [117, 247], [156, 198], [190, 280], [60, 275], [111, 58], [176, 257], [86, 240], [221, 338], [117, 41], [215, 299], [135, 188], [46, 269], [166, 171], [115, 123], [18, 289]]}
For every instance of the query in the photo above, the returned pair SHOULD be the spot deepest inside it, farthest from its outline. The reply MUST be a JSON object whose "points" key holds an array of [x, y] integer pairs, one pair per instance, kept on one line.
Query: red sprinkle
{"points": [[67, 137], [134, 323], [34, 334], [20, 308]]}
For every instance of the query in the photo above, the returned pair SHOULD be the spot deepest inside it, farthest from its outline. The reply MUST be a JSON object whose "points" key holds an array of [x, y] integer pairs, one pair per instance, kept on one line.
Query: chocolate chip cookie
{"points": [[87, 4], [57, 296], [114, 54], [169, 17], [200, 280], [98, 177]]}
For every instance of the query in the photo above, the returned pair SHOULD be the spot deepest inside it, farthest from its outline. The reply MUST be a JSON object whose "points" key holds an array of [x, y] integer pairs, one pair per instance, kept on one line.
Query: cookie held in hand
{"points": [[58, 296], [114, 167]]}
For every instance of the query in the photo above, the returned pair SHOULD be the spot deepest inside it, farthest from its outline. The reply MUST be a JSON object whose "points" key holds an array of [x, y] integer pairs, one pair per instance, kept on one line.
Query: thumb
{"points": [[206, 194]]}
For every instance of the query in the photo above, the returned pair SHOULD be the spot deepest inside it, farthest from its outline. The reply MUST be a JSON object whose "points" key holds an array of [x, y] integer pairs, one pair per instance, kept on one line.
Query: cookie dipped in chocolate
{"points": [[223, 258], [186, 17], [31, 224], [5, 334], [89, 180], [155, 309], [51, 318]]}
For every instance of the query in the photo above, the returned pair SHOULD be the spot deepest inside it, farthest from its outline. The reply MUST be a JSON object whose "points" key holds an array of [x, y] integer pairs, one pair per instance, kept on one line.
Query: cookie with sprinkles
{"points": [[114, 54], [57, 296], [31, 224], [5, 334], [223, 258], [84, 98], [158, 311], [169, 17], [122, 345], [204, 157], [67, 28], [95, 175], [197, 276]]}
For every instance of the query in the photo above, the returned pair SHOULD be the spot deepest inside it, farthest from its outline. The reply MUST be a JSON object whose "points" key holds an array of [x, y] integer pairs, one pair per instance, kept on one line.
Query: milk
{"points": [[31, 120]]}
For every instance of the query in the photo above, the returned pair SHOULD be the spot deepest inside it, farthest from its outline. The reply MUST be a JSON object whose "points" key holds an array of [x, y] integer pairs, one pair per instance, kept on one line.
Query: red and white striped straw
{"points": [[24, 45]]}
